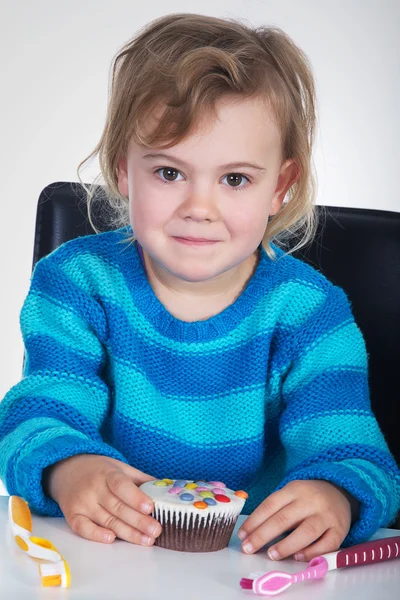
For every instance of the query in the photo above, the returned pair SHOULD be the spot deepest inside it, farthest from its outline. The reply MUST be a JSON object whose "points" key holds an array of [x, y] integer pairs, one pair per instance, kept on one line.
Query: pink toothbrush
{"points": [[275, 582]]}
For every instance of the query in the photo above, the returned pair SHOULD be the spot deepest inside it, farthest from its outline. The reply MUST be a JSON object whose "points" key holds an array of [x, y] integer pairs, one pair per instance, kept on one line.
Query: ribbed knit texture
{"points": [[272, 389]]}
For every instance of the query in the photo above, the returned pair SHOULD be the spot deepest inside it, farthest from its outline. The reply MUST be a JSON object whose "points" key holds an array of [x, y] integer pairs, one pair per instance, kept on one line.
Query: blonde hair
{"points": [[188, 62]]}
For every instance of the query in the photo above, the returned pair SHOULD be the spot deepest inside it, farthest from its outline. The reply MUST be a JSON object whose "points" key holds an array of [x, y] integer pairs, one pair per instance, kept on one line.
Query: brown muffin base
{"points": [[191, 533]]}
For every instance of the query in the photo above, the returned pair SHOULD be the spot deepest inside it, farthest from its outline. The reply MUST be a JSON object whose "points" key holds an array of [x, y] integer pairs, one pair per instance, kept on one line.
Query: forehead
{"points": [[238, 127]]}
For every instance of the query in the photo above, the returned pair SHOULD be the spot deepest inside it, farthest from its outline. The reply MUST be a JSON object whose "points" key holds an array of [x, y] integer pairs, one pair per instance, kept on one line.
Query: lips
{"points": [[192, 239]]}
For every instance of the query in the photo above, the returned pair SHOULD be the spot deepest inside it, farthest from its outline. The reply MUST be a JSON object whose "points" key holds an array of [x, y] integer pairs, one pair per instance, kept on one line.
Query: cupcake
{"points": [[196, 516]]}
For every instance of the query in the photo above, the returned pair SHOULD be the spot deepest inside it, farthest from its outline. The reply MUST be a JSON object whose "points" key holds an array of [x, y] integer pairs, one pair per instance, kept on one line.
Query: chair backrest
{"points": [[357, 249]]}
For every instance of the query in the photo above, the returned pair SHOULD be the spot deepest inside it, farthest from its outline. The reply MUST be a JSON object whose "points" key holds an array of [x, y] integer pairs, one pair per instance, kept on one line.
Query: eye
{"points": [[170, 177], [167, 172], [234, 178]]}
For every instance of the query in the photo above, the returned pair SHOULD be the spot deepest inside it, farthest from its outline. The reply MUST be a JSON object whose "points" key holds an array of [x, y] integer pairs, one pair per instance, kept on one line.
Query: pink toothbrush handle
{"points": [[316, 569], [369, 552]]}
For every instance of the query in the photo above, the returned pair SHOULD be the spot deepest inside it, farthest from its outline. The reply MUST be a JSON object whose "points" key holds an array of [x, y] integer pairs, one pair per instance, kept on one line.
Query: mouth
{"points": [[195, 241]]}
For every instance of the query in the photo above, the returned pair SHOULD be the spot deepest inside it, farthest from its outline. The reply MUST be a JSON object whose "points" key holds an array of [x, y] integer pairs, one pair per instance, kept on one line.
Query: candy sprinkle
{"points": [[186, 497], [222, 498], [241, 494], [206, 494], [210, 501], [191, 486], [175, 490], [200, 504], [180, 483], [168, 481], [160, 483]]}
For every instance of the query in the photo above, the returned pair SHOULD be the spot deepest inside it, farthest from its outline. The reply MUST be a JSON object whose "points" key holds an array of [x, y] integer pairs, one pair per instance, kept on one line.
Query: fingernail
{"points": [[108, 537], [248, 548], [242, 535], [153, 530], [273, 554], [146, 508], [146, 540], [299, 556]]}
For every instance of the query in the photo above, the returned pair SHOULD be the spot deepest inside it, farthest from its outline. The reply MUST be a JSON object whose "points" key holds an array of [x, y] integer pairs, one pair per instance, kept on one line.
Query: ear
{"points": [[123, 177], [288, 175]]}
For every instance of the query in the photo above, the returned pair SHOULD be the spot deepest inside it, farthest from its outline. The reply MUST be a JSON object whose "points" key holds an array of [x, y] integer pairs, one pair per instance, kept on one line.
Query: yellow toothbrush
{"points": [[55, 574]]}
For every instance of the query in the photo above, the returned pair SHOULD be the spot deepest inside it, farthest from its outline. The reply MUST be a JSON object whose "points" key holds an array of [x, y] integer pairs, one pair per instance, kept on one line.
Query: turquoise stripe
{"points": [[55, 320], [202, 422], [263, 319], [343, 347], [83, 394], [316, 434], [26, 440]]}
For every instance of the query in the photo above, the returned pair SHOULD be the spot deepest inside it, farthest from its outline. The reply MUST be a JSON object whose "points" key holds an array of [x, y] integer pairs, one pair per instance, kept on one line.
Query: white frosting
{"points": [[164, 503]]}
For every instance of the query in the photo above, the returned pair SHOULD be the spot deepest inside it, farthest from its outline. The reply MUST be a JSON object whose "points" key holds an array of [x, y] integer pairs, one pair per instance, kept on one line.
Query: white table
{"points": [[122, 571]]}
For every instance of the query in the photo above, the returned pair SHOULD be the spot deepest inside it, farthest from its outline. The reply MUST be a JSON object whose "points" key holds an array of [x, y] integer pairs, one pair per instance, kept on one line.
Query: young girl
{"points": [[199, 349]]}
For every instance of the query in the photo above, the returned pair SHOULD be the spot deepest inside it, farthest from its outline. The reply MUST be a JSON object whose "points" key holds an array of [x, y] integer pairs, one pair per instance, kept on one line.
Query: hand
{"points": [[100, 499], [319, 512]]}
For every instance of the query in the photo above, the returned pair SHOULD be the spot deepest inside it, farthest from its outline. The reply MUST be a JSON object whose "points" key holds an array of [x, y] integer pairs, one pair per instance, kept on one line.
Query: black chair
{"points": [[357, 249]]}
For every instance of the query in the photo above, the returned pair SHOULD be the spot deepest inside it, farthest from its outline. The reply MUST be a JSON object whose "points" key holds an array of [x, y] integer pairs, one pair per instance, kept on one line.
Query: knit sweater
{"points": [[274, 388]]}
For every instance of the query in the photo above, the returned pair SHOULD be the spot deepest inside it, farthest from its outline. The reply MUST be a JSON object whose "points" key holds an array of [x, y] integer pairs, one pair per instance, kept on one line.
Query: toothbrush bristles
{"points": [[246, 583]]}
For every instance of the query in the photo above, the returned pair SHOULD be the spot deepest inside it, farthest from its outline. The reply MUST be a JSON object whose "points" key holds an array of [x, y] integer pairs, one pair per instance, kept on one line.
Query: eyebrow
{"points": [[232, 165]]}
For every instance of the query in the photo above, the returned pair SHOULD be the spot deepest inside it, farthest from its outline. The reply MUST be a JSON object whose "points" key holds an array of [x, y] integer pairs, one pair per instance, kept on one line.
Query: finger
{"points": [[330, 541], [274, 503], [282, 521], [122, 530], [123, 487], [135, 519], [84, 527], [138, 477], [304, 535]]}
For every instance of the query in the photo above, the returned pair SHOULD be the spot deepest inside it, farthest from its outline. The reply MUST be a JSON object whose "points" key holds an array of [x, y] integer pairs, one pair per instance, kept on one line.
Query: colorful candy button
{"points": [[168, 481], [218, 491], [200, 482], [217, 484], [191, 486], [160, 483], [180, 483], [200, 504], [175, 490], [202, 488], [210, 501], [206, 494], [186, 497], [222, 498], [241, 494]]}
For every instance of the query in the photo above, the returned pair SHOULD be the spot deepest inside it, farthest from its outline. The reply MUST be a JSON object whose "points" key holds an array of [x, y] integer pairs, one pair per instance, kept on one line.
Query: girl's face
{"points": [[219, 185]]}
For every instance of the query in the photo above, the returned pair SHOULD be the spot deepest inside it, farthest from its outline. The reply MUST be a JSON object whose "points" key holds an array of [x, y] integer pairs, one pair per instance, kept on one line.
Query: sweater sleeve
{"points": [[59, 407], [327, 428]]}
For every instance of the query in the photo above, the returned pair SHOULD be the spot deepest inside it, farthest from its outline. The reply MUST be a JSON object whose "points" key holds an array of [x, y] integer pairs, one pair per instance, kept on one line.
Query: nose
{"points": [[199, 206]]}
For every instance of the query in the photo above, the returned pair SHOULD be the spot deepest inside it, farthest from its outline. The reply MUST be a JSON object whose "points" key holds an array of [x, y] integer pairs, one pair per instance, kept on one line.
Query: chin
{"points": [[193, 275]]}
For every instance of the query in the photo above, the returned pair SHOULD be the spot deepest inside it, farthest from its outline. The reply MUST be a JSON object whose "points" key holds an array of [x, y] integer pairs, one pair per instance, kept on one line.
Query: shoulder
{"points": [[292, 269], [90, 265], [97, 252], [301, 289], [101, 243]]}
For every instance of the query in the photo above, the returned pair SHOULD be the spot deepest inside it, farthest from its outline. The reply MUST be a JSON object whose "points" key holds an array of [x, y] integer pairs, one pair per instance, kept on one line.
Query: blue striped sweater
{"points": [[272, 389]]}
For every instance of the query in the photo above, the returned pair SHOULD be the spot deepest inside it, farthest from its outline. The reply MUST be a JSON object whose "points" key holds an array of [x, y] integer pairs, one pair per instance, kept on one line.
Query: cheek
{"points": [[250, 220], [147, 207]]}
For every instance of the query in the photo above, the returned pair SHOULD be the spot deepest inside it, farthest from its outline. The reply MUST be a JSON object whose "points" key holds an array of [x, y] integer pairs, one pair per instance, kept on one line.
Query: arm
{"points": [[59, 407], [328, 429]]}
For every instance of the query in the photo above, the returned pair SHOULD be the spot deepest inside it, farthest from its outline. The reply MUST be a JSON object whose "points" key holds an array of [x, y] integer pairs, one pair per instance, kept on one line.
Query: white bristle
{"points": [[49, 569], [54, 569]]}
